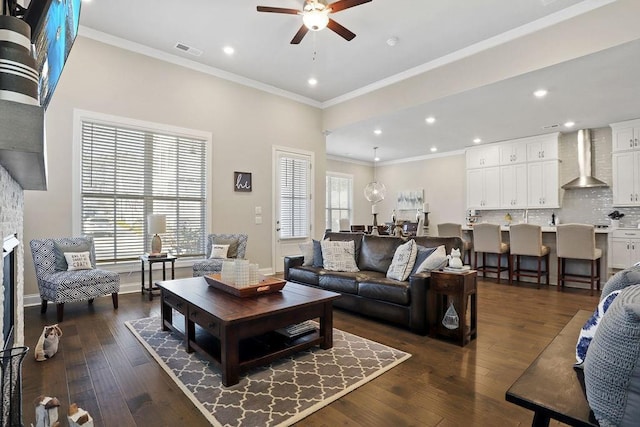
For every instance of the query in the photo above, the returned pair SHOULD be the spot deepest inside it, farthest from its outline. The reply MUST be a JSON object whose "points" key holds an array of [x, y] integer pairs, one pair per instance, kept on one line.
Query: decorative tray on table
{"points": [[266, 285]]}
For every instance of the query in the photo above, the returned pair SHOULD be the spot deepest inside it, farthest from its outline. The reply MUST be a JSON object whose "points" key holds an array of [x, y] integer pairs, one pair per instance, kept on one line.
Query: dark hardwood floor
{"points": [[102, 367]]}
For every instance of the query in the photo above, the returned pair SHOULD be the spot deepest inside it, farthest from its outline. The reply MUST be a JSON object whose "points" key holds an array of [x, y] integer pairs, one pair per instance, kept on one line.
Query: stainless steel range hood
{"points": [[585, 180]]}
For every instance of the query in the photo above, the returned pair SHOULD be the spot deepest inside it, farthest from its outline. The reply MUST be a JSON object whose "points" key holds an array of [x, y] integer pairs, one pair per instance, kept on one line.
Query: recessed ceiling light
{"points": [[312, 81], [569, 124], [477, 141], [392, 41], [376, 159], [377, 131], [228, 50], [540, 93], [434, 149], [430, 120]]}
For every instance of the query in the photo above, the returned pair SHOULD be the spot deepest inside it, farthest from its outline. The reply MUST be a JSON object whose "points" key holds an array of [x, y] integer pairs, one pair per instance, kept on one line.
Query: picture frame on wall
{"points": [[242, 181]]}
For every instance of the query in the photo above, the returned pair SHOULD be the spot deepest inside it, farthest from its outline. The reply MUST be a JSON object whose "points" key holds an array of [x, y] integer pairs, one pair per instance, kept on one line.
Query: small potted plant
{"points": [[615, 218]]}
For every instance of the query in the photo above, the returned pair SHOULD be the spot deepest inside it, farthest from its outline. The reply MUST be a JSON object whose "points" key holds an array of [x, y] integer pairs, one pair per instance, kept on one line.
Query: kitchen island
{"points": [[603, 241]]}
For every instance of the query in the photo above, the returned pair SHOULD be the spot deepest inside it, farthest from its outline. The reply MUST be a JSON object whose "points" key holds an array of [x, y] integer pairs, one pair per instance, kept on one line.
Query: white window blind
{"points": [[128, 174], [294, 197], [339, 200]]}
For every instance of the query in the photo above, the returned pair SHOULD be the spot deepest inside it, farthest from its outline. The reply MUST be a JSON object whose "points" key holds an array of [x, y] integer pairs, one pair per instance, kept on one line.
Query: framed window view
{"points": [[242, 181]]}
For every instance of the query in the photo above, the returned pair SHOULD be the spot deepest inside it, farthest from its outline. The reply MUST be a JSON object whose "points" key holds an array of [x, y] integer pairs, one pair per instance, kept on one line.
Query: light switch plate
{"points": [[258, 210], [258, 220]]}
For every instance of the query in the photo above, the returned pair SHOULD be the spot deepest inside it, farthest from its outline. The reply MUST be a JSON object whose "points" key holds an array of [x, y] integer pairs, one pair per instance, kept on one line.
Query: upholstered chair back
{"points": [[488, 238], [217, 238], [526, 239], [449, 229], [577, 241], [44, 252]]}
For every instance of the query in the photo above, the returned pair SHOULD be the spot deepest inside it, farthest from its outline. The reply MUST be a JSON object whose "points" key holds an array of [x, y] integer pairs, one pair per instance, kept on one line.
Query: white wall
{"points": [[245, 124]]}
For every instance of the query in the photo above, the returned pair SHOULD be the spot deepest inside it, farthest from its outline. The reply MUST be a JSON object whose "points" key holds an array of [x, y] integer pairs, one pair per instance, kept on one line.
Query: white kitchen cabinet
{"points": [[542, 184], [483, 156], [625, 248], [513, 153], [513, 186], [544, 147], [626, 178], [483, 188], [625, 136]]}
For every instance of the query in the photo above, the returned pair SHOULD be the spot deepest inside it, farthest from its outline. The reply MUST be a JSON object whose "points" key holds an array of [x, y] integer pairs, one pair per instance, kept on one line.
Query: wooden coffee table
{"points": [[242, 328]]}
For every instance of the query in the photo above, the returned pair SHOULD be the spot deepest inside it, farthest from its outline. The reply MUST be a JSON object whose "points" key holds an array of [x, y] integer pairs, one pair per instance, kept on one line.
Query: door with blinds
{"points": [[293, 203]]}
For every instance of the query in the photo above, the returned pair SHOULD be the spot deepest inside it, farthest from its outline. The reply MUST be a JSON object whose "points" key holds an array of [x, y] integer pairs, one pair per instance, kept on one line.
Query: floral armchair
{"points": [[60, 286], [237, 249]]}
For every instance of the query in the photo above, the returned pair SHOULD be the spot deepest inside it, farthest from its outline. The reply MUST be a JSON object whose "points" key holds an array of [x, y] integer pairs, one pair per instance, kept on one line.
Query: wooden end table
{"points": [[152, 260], [461, 289]]}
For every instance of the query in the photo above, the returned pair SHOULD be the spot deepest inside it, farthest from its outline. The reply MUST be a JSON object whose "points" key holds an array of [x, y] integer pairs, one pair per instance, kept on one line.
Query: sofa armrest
{"points": [[292, 261], [418, 286]]}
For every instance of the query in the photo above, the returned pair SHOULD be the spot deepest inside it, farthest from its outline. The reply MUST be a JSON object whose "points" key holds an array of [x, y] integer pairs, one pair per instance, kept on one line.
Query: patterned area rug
{"points": [[279, 394]]}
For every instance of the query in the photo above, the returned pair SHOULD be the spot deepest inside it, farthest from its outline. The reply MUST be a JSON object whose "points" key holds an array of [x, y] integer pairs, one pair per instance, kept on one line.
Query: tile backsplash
{"points": [[583, 205]]}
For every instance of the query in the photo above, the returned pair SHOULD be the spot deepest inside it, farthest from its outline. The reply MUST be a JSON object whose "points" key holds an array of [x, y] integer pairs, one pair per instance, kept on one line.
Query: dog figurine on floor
{"points": [[48, 343]]}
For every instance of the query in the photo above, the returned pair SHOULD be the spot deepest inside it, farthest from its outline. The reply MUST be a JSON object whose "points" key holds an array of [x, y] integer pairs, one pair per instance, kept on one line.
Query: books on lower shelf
{"points": [[297, 329], [462, 269]]}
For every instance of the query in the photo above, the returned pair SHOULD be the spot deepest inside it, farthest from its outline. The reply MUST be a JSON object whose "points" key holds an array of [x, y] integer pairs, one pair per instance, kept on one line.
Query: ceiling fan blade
{"points": [[340, 30], [345, 4], [278, 10], [299, 35]]}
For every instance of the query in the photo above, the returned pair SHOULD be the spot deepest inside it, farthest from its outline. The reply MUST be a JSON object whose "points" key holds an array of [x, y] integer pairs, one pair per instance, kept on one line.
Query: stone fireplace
{"points": [[11, 230]]}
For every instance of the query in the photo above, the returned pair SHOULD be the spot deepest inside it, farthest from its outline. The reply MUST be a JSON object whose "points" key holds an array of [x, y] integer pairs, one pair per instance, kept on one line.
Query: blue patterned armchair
{"points": [[237, 249], [58, 285]]}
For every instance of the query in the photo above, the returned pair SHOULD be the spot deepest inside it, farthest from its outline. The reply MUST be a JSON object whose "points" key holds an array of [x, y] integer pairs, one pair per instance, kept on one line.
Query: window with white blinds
{"points": [[129, 173], [339, 199], [294, 197]]}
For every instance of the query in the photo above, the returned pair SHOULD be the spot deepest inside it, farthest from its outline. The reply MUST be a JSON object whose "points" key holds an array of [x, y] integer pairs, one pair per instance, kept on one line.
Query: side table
{"points": [[149, 259], [461, 289]]}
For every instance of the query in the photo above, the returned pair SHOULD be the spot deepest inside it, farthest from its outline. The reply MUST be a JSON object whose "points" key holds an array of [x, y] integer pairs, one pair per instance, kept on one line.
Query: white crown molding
{"points": [[532, 27], [424, 157], [163, 56], [348, 160]]}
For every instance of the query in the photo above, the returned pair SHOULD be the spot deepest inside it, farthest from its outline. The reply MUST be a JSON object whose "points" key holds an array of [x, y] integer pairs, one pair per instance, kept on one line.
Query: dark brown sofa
{"points": [[368, 291]]}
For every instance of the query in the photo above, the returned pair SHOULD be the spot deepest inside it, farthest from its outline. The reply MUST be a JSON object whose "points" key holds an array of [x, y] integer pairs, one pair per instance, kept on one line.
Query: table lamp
{"points": [[157, 224]]}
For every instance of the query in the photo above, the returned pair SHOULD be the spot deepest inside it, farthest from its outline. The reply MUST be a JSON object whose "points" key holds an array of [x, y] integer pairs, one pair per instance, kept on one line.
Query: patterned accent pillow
{"points": [[219, 251], [437, 259], [317, 254], [589, 329], [423, 253], [307, 253], [232, 243], [78, 261], [403, 260], [59, 249], [339, 255]]}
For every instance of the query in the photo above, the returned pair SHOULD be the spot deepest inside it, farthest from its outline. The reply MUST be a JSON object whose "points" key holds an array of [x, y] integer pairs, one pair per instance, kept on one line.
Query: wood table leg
{"points": [[166, 315], [540, 420], [189, 333], [230, 356], [326, 326], [150, 282]]}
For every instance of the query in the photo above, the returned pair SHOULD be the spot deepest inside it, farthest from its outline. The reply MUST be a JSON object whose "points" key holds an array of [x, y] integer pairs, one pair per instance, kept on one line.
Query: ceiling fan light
{"points": [[315, 20]]}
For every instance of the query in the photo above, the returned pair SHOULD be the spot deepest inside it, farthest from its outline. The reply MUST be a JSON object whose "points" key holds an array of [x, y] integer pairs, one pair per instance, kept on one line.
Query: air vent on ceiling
{"points": [[553, 126], [191, 50]]}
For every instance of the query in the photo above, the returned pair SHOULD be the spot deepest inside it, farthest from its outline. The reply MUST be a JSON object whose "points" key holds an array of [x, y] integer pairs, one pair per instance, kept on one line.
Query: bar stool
{"points": [[450, 229], [526, 240], [487, 238], [578, 241]]}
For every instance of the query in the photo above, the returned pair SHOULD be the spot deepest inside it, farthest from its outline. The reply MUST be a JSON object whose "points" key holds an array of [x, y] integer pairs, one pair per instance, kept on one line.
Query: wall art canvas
{"points": [[242, 181], [410, 200]]}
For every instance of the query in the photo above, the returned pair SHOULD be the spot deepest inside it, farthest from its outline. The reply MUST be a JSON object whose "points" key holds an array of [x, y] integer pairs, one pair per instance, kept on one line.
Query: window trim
{"points": [[351, 198], [79, 116]]}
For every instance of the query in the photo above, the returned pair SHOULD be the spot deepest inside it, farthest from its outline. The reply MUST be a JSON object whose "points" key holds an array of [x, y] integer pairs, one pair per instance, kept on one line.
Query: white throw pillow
{"points": [[78, 261], [403, 260], [434, 261], [219, 251], [307, 252], [339, 255]]}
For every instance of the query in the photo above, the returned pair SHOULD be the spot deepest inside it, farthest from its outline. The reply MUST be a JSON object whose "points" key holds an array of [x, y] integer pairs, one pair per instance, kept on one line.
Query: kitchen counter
{"points": [[549, 239], [545, 229]]}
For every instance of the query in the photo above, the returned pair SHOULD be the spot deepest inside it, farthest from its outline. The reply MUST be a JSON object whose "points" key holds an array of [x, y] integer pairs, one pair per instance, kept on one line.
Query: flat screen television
{"points": [[54, 27]]}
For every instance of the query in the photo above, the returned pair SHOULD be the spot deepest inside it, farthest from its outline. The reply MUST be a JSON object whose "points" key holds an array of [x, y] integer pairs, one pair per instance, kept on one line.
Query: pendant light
{"points": [[375, 191]]}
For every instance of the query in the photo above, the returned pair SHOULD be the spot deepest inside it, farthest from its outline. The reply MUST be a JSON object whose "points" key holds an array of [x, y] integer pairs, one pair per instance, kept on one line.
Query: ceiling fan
{"points": [[315, 16]]}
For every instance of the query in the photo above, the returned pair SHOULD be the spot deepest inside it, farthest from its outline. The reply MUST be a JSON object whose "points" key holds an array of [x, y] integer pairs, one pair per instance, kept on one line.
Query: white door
{"points": [[293, 207]]}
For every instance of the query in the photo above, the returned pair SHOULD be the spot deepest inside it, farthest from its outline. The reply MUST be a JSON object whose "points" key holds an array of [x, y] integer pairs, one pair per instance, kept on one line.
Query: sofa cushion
{"points": [[307, 252], [435, 260], [403, 260], [421, 255], [377, 252], [219, 251], [620, 280], [356, 238], [60, 248], [612, 366], [78, 261], [305, 275], [339, 281], [339, 256], [589, 329], [384, 289], [317, 254]]}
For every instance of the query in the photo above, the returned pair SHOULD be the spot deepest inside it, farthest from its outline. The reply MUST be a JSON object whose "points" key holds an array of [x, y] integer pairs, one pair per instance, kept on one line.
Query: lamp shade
{"points": [[157, 223]]}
